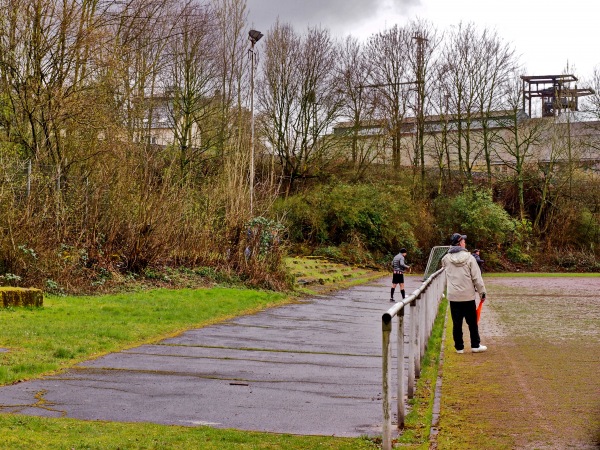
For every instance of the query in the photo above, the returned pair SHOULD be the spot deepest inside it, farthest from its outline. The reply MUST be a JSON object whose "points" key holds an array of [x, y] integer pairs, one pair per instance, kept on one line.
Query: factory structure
{"points": [[547, 126]]}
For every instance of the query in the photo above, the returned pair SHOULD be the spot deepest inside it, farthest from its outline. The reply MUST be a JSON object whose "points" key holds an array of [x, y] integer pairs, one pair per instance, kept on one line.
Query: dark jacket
{"points": [[478, 259]]}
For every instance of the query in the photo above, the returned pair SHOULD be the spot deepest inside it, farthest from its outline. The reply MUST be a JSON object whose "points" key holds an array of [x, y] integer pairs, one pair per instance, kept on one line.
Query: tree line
{"points": [[85, 86]]}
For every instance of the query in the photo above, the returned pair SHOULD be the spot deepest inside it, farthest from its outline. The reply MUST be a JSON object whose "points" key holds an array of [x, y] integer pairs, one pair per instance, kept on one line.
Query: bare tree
{"points": [[358, 106], [477, 65], [297, 99], [591, 108], [440, 136], [498, 64], [422, 52], [48, 116], [549, 169], [132, 62], [231, 19], [517, 147], [391, 77], [190, 83], [44, 58], [460, 95]]}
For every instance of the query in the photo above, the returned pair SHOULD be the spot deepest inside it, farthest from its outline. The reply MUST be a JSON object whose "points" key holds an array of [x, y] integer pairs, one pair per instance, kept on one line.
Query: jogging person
{"points": [[399, 267], [463, 284]]}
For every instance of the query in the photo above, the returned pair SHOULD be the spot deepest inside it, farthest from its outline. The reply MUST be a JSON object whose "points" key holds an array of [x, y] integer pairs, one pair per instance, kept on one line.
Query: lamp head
{"points": [[255, 36]]}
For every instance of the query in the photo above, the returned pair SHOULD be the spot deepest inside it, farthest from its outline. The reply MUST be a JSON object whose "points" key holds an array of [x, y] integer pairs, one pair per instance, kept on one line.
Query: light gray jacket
{"points": [[399, 264], [463, 276]]}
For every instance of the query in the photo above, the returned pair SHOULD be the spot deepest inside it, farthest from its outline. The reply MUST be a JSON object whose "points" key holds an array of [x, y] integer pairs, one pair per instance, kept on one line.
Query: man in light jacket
{"points": [[464, 284]]}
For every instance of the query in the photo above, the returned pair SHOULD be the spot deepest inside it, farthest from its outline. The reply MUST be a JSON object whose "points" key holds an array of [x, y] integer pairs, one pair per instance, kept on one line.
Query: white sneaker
{"points": [[481, 348], [460, 351]]}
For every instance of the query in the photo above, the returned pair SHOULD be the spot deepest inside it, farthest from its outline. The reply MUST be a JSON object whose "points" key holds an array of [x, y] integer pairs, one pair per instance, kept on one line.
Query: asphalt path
{"points": [[310, 368]]}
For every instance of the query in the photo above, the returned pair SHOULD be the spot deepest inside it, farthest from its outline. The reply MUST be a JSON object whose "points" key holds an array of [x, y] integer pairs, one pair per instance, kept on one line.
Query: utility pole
{"points": [[254, 37], [420, 82]]}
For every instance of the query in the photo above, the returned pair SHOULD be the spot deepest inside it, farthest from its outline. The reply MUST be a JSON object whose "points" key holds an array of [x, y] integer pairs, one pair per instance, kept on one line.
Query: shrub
{"points": [[515, 254], [586, 229], [260, 255], [575, 260], [475, 214], [362, 218], [263, 236], [332, 253], [126, 212]]}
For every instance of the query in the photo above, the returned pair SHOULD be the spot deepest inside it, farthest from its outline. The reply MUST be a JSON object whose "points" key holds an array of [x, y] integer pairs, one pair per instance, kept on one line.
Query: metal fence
{"points": [[424, 304], [435, 258]]}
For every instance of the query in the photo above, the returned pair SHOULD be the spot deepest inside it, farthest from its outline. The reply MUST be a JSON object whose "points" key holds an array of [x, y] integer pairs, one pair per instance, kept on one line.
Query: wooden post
{"points": [[411, 349]]}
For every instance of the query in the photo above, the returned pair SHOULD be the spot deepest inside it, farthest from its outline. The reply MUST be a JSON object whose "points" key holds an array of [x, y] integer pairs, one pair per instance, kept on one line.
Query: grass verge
{"points": [[25, 433], [68, 330], [466, 381]]}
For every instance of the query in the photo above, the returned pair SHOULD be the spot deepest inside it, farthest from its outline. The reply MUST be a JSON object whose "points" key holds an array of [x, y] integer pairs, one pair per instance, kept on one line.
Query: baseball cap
{"points": [[457, 237]]}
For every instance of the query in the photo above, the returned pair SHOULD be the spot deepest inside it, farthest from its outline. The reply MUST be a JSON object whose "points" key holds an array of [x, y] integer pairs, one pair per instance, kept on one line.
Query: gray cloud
{"points": [[337, 15]]}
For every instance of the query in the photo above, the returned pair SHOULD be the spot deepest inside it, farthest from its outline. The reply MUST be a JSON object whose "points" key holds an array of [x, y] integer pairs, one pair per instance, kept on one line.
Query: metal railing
{"points": [[424, 303]]}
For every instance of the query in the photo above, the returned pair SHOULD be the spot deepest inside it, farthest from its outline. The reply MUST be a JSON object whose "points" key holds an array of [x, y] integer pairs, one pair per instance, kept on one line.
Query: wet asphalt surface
{"points": [[311, 368]]}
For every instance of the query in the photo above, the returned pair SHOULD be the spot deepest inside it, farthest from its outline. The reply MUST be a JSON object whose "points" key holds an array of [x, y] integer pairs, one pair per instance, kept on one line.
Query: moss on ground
{"points": [[16, 296], [316, 275]]}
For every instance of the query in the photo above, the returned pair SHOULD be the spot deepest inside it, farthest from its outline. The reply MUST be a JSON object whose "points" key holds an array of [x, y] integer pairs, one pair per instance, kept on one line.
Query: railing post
{"points": [[425, 328], [386, 324], [400, 370], [425, 318], [411, 349], [417, 336]]}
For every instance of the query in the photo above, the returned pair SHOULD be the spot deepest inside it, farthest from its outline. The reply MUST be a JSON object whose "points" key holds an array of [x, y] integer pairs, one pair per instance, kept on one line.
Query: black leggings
{"points": [[467, 311]]}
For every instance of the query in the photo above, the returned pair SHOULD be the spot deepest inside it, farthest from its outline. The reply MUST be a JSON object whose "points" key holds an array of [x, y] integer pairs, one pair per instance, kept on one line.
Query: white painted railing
{"points": [[424, 303]]}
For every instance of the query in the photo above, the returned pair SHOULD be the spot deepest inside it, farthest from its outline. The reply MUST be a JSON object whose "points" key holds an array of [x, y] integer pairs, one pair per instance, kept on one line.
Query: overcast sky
{"points": [[547, 34]]}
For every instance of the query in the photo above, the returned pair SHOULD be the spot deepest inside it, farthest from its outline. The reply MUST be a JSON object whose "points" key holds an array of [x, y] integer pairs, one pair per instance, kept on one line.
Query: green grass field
{"points": [[68, 330], [27, 433]]}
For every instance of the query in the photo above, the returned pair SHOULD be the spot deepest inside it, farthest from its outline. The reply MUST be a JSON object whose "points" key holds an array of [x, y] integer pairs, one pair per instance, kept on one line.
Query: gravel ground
{"points": [[537, 387]]}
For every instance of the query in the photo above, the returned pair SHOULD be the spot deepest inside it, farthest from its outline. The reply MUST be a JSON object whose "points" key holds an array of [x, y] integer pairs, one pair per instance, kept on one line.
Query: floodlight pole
{"points": [[254, 37]]}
